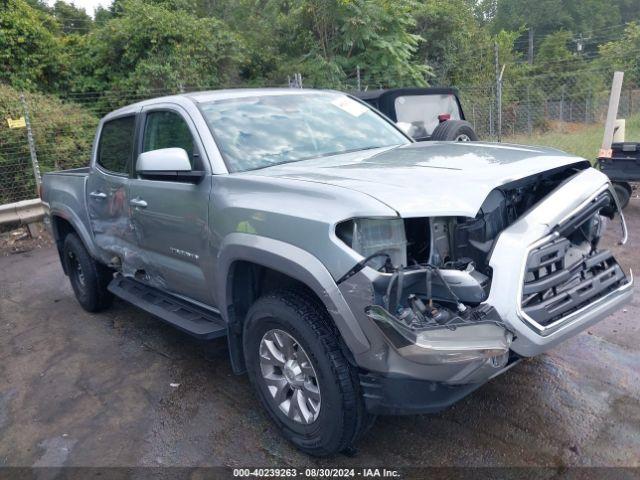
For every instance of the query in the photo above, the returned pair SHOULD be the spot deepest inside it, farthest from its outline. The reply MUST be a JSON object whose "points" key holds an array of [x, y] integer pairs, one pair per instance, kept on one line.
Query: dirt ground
{"points": [[122, 389]]}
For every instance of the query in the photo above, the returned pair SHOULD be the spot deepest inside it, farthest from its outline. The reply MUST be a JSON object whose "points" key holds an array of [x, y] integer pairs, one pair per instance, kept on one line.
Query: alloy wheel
{"points": [[290, 378]]}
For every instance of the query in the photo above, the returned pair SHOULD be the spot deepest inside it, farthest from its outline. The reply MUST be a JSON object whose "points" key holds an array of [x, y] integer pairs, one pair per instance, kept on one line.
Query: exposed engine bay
{"points": [[439, 271]]}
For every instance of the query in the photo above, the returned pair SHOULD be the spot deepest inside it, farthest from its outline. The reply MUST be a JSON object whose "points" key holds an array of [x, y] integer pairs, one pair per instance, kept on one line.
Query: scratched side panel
{"points": [[172, 235]]}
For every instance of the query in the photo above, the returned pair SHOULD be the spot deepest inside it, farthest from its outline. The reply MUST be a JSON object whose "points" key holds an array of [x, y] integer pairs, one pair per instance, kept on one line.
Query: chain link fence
{"points": [[525, 113], [548, 109]]}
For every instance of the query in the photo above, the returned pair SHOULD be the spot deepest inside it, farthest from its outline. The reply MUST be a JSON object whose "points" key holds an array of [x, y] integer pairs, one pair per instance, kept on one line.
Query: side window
{"points": [[165, 129], [116, 144]]}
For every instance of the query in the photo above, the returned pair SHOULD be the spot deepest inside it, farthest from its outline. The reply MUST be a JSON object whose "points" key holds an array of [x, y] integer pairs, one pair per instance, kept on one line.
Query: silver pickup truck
{"points": [[353, 271]]}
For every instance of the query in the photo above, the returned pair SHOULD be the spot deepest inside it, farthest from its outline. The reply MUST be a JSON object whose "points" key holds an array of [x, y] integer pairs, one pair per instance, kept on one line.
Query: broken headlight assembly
{"points": [[432, 314], [376, 239], [440, 336]]}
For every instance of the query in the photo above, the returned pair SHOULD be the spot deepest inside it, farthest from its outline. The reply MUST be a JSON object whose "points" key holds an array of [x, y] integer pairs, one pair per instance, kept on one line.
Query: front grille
{"points": [[560, 279]]}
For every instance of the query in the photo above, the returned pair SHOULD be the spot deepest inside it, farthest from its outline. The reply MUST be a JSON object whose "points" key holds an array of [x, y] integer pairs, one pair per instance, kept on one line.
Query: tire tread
{"points": [[96, 273], [355, 418]]}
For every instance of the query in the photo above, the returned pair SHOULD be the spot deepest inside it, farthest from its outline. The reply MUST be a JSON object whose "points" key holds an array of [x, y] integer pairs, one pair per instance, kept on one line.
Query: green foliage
{"points": [[149, 47], [72, 20], [624, 54], [455, 45], [63, 134], [548, 16], [30, 53], [142, 46], [326, 40], [541, 15], [555, 58], [101, 16]]}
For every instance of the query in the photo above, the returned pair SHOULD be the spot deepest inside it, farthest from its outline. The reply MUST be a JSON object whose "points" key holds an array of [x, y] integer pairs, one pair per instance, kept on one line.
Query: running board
{"points": [[185, 316]]}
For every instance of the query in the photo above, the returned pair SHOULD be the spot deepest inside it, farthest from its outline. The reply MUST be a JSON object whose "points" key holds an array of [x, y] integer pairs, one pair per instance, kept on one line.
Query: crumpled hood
{"points": [[427, 178]]}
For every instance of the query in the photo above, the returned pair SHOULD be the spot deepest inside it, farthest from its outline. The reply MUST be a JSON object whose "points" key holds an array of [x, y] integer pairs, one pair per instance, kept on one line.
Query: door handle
{"points": [[138, 202], [98, 195]]}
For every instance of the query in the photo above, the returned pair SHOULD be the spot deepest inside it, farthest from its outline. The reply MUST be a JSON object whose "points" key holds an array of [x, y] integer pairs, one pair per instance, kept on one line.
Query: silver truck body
{"points": [[188, 239]]}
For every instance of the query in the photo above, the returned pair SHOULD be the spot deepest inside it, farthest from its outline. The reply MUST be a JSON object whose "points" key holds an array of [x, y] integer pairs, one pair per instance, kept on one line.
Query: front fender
{"points": [[296, 263]]}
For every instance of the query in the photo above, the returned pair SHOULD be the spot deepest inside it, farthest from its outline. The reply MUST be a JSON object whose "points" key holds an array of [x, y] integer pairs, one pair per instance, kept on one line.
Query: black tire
{"points": [[89, 278], [623, 192], [342, 418], [454, 131]]}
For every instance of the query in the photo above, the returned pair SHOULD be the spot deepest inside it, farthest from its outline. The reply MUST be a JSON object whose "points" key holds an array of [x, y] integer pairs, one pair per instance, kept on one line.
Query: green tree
{"points": [[149, 47], [623, 55], [561, 67], [72, 20], [325, 40], [101, 16], [591, 20], [455, 45], [30, 53], [63, 133]]}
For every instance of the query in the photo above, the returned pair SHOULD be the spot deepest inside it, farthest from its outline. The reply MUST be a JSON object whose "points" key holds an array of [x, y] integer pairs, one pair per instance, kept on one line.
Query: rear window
{"points": [[422, 111], [116, 144]]}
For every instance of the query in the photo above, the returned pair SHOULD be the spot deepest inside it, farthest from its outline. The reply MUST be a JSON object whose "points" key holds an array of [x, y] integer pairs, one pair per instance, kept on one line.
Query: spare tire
{"points": [[454, 131], [623, 192]]}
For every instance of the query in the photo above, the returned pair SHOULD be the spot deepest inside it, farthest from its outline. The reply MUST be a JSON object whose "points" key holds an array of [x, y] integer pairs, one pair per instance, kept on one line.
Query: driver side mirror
{"points": [[171, 164]]}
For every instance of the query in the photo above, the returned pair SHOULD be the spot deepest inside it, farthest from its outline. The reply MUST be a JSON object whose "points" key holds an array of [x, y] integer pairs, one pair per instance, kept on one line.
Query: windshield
{"points": [[259, 131]]}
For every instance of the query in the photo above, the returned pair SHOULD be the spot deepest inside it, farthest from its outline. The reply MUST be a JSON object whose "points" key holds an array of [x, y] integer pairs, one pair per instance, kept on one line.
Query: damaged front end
{"points": [[424, 299], [429, 280]]}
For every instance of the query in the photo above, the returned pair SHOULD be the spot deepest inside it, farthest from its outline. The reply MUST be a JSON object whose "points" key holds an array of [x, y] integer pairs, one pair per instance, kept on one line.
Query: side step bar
{"points": [[189, 318]]}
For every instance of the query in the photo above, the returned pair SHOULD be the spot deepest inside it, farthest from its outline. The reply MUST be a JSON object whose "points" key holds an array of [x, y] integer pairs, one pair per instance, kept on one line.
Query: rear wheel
{"points": [[89, 278], [623, 192], [300, 374], [454, 131]]}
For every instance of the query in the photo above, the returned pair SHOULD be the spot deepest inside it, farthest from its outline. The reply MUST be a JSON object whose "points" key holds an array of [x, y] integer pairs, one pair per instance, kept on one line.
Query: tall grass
{"points": [[579, 139]]}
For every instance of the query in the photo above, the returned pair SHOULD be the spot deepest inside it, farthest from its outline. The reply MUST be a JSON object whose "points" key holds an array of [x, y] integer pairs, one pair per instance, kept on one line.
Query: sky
{"points": [[88, 5]]}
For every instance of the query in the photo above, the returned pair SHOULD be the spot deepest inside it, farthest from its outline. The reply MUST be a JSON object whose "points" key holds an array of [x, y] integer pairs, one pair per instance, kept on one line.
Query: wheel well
{"points": [[61, 228], [247, 282]]}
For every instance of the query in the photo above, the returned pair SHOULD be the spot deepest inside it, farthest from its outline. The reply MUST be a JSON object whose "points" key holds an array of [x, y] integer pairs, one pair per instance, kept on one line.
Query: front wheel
{"points": [[300, 374]]}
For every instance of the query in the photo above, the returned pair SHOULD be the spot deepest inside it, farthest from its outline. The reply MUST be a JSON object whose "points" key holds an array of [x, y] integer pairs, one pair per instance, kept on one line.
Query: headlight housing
{"points": [[376, 235], [468, 341]]}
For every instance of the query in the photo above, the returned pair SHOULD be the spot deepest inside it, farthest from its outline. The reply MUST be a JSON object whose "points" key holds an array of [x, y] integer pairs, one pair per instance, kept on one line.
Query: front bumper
{"points": [[464, 355], [401, 395], [394, 369], [509, 264]]}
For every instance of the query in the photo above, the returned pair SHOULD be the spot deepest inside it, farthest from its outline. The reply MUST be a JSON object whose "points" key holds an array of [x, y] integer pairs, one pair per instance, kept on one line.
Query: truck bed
{"points": [[63, 193], [81, 172]]}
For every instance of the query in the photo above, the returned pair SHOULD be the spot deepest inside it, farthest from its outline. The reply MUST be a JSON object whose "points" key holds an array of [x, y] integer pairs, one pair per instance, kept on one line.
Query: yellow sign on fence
{"points": [[17, 123]]}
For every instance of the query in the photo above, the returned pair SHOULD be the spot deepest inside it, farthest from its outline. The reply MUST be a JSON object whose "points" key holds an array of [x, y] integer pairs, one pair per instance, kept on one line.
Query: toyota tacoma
{"points": [[353, 271]]}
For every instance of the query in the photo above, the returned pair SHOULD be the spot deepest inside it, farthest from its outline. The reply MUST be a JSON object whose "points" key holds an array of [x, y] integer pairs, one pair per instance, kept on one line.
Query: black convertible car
{"points": [[423, 113]]}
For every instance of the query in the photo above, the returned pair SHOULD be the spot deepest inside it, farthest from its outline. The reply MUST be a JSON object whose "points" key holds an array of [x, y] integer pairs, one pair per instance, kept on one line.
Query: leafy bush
{"points": [[63, 134]]}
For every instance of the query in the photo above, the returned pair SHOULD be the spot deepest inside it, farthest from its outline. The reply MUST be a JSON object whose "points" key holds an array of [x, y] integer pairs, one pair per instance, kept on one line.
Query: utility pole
{"points": [[530, 46]]}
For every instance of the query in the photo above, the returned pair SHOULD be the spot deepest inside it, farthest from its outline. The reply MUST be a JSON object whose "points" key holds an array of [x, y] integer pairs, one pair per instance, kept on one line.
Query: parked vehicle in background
{"points": [[423, 113], [354, 272], [622, 167]]}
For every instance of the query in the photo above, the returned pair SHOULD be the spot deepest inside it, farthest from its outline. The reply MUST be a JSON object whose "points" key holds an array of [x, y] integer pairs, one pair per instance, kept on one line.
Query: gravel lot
{"points": [[122, 389]]}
